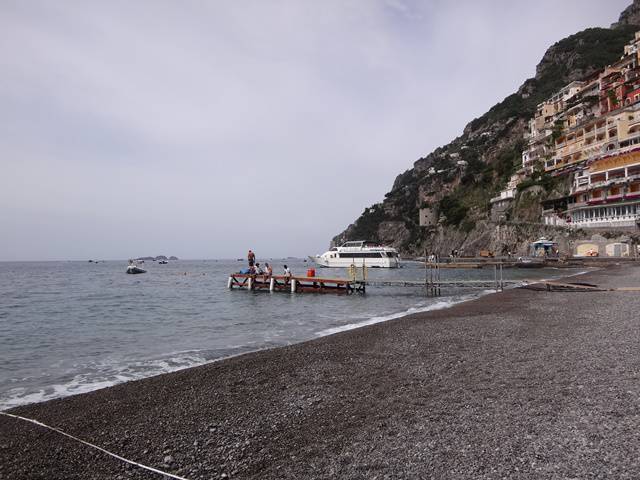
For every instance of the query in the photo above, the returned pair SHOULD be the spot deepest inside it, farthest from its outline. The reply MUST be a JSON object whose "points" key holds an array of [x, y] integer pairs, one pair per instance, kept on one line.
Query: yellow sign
{"points": [[618, 161]]}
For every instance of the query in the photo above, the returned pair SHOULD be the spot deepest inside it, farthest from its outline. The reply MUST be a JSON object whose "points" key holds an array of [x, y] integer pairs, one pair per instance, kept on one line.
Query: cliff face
{"points": [[629, 16], [454, 183]]}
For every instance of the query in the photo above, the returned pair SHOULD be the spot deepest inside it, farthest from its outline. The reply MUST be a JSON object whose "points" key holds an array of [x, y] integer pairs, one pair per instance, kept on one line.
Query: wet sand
{"points": [[523, 384]]}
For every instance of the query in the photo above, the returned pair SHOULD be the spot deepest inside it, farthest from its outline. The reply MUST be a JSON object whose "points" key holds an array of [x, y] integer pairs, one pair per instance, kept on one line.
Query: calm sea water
{"points": [[72, 327]]}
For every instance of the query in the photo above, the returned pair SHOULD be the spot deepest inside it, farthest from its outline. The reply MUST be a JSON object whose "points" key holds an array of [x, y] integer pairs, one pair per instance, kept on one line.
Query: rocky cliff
{"points": [[453, 184], [629, 16]]}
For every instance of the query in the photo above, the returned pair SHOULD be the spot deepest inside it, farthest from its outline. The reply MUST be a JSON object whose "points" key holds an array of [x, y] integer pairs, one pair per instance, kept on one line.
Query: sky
{"points": [[204, 128]]}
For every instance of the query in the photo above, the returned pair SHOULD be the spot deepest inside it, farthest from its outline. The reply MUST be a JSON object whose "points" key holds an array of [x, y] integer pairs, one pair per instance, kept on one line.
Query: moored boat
{"points": [[134, 268], [528, 262], [359, 253]]}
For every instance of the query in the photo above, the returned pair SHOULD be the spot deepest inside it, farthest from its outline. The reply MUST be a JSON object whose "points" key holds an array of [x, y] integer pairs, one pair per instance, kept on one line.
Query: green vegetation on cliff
{"points": [[570, 59]]}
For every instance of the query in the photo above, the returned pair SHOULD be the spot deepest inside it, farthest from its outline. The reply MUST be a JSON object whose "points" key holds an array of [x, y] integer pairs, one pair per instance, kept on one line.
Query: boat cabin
{"points": [[543, 248]]}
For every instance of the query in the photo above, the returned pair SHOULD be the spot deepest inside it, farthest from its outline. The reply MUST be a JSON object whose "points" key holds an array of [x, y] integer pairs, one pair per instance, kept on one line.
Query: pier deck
{"points": [[444, 283], [433, 285], [295, 284]]}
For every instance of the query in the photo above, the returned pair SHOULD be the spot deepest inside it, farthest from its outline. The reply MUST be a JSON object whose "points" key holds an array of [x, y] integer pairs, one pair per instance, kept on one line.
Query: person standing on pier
{"points": [[251, 257]]}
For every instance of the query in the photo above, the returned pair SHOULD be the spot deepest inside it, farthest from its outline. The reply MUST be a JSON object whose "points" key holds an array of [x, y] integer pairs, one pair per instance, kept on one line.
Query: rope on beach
{"points": [[131, 462]]}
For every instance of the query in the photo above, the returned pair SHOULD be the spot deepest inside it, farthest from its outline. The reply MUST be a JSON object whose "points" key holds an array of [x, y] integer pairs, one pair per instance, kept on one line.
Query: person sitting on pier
{"points": [[287, 272], [258, 269], [268, 270]]}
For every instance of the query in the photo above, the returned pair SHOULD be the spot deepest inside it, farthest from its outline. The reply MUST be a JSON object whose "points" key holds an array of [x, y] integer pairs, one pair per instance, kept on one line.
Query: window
{"points": [[361, 255]]}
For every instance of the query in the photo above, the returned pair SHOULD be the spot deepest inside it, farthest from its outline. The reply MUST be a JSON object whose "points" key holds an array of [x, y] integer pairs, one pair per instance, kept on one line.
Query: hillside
{"points": [[456, 181]]}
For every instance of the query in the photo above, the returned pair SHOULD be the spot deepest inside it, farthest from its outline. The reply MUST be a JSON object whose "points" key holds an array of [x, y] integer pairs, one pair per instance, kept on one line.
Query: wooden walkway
{"points": [[445, 283], [433, 284], [294, 284]]}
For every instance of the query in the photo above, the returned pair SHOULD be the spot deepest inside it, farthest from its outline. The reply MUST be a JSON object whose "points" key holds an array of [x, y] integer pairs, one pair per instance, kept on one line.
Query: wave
{"points": [[442, 304], [108, 373], [103, 374], [439, 305]]}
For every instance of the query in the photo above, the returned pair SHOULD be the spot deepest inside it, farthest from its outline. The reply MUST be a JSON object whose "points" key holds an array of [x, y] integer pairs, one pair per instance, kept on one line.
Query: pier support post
{"points": [[230, 283], [272, 284], [250, 283], [293, 285]]}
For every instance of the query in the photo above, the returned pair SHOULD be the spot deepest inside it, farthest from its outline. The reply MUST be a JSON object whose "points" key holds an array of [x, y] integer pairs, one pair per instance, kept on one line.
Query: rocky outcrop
{"points": [[629, 16]]}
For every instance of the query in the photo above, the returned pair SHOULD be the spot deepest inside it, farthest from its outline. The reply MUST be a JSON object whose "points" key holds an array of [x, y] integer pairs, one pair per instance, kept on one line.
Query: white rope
{"points": [[151, 469]]}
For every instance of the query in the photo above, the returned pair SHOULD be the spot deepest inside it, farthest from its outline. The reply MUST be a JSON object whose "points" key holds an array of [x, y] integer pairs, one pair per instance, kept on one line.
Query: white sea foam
{"points": [[445, 303], [434, 306], [105, 374], [439, 305]]}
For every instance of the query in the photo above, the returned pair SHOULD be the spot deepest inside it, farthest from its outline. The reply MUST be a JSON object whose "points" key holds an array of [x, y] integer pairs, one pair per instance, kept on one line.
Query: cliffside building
{"points": [[590, 130]]}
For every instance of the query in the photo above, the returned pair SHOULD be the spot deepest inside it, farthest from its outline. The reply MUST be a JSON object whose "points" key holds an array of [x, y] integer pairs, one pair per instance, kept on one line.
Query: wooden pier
{"points": [[294, 284], [358, 282], [486, 284], [432, 284]]}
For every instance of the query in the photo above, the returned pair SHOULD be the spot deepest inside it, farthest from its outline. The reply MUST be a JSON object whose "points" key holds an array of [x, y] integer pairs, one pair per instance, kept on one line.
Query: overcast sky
{"points": [[204, 128]]}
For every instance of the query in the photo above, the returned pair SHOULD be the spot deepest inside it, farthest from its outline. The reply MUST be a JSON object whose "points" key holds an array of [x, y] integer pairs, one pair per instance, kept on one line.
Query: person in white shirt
{"points": [[287, 272]]}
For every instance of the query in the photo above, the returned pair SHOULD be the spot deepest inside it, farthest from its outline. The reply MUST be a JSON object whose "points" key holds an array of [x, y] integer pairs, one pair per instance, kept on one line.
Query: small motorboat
{"points": [[163, 262], [133, 268], [528, 262]]}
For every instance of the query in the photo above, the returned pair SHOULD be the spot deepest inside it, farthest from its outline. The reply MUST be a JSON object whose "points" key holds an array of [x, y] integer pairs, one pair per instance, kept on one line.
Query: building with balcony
{"points": [[590, 130], [607, 193], [595, 138], [501, 202]]}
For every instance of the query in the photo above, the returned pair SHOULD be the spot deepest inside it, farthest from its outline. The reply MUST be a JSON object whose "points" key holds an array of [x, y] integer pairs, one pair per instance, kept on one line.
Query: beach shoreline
{"points": [[91, 373], [436, 393]]}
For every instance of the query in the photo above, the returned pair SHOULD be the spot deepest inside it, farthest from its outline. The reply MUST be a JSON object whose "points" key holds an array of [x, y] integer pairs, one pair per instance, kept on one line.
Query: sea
{"points": [[73, 327]]}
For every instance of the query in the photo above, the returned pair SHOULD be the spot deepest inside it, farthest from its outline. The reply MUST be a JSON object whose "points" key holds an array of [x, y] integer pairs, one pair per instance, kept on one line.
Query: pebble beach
{"points": [[520, 384]]}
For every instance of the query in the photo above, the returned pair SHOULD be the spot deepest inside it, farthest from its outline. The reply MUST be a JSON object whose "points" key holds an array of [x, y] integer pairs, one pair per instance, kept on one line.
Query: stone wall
{"points": [[623, 246], [428, 217]]}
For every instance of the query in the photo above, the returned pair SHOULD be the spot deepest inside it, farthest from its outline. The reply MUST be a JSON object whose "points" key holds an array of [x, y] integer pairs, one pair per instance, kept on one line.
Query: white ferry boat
{"points": [[357, 253]]}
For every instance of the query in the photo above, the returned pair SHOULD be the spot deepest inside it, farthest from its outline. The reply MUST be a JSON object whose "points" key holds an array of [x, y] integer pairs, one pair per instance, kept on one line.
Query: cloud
{"points": [[281, 120]]}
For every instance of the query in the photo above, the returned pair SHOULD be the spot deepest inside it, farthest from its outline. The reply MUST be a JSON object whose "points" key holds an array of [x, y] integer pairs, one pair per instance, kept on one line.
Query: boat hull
{"points": [[135, 270]]}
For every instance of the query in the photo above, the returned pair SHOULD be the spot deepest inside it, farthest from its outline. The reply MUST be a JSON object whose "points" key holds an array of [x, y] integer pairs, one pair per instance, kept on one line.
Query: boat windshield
{"points": [[352, 244]]}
